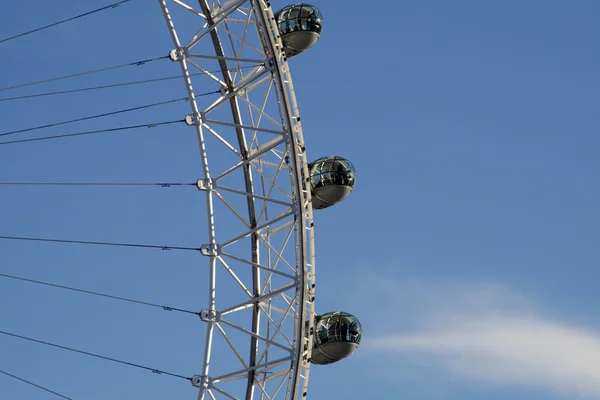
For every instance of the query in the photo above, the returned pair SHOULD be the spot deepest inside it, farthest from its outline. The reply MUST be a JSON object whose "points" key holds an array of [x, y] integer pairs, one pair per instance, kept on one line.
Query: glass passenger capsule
{"points": [[331, 180], [336, 336], [300, 27]]}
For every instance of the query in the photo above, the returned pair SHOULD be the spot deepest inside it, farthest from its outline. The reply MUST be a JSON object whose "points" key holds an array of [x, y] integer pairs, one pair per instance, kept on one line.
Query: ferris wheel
{"points": [[252, 149], [259, 190]]}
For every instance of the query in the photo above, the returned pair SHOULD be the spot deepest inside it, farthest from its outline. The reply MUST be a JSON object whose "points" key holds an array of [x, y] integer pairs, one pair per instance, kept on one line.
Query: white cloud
{"points": [[486, 333]]}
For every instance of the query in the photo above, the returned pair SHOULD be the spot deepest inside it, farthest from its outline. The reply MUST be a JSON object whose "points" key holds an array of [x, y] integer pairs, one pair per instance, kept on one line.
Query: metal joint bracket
{"points": [[194, 119], [202, 382], [210, 315], [200, 184], [224, 91], [210, 250], [179, 54], [270, 64], [206, 184]]}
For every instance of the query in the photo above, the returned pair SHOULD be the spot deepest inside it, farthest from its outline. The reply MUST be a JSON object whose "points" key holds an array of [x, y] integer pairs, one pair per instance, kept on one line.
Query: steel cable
{"points": [[114, 5]]}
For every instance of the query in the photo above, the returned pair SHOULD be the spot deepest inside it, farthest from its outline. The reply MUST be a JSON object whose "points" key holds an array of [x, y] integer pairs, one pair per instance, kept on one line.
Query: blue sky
{"points": [[468, 249]]}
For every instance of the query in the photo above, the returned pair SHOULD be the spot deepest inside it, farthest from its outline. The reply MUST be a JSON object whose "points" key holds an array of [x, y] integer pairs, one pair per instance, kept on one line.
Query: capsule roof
{"points": [[332, 170], [340, 321]]}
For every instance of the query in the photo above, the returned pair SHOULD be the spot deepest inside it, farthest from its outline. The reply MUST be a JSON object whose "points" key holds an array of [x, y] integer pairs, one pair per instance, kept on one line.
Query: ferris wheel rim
{"points": [[276, 64]]}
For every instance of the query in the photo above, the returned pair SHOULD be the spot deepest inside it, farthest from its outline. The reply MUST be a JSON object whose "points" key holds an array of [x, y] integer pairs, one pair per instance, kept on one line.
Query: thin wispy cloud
{"points": [[488, 334]]}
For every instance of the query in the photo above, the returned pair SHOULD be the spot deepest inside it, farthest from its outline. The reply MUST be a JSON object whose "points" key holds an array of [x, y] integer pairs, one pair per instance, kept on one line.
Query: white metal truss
{"points": [[260, 248]]}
